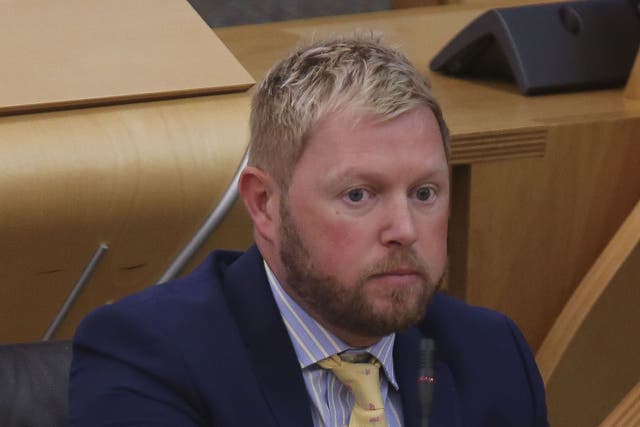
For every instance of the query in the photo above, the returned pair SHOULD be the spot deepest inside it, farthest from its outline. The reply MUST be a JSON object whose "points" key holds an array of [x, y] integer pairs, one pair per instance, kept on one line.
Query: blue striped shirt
{"points": [[331, 400]]}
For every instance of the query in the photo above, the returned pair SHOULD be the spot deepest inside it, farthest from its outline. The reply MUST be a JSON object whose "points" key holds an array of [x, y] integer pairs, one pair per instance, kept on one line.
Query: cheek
{"points": [[339, 240], [337, 243]]}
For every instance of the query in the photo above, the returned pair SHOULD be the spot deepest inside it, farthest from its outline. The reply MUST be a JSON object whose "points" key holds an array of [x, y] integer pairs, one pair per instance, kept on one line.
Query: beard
{"points": [[350, 306]]}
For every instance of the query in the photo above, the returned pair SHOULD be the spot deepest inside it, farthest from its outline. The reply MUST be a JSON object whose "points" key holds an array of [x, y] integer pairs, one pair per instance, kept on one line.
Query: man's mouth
{"points": [[401, 272], [398, 276]]}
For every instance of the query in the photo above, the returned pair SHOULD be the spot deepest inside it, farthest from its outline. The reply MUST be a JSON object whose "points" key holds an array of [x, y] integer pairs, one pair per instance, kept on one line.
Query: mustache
{"points": [[403, 259]]}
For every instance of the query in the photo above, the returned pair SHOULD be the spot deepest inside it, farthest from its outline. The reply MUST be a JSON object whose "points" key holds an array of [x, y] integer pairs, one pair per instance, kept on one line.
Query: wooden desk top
{"points": [[61, 54], [488, 119]]}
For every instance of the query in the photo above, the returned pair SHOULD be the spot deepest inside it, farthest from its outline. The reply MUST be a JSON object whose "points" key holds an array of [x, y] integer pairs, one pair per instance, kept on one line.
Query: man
{"points": [[348, 190]]}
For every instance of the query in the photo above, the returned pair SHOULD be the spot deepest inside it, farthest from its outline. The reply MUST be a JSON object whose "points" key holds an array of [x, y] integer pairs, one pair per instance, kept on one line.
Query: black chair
{"points": [[34, 379]]}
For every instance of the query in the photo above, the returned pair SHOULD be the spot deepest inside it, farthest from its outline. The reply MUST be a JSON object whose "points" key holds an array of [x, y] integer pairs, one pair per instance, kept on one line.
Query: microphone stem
{"points": [[425, 380]]}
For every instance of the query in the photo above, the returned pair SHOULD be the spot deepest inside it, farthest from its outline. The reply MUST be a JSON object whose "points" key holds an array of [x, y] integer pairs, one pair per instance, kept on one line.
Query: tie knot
{"points": [[357, 357]]}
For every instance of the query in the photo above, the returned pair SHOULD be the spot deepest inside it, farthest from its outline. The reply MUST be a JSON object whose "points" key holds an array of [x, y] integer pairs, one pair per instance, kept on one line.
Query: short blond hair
{"points": [[355, 73]]}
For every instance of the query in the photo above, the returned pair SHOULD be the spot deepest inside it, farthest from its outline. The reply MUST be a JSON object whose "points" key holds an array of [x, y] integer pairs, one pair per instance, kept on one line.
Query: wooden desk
{"points": [[540, 183], [137, 177], [88, 52]]}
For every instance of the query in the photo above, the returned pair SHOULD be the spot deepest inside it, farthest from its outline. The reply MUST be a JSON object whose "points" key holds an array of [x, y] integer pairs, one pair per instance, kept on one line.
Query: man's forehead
{"points": [[348, 151], [351, 119], [369, 173]]}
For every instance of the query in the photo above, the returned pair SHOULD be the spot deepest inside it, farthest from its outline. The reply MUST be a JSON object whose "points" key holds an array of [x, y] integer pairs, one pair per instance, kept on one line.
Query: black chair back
{"points": [[34, 379]]}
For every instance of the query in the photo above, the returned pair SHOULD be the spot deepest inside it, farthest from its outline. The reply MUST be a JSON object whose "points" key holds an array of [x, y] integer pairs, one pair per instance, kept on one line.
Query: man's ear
{"points": [[261, 196]]}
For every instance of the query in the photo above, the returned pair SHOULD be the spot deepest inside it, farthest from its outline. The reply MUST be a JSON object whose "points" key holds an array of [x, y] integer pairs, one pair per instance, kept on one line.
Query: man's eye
{"points": [[424, 194], [356, 195]]}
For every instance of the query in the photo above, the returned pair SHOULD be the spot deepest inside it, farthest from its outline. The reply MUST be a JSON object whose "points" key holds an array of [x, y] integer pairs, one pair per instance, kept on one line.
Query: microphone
{"points": [[426, 378]]}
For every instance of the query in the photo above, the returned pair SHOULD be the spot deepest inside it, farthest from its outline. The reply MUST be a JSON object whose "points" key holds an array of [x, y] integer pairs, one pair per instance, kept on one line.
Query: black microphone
{"points": [[426, 378]]}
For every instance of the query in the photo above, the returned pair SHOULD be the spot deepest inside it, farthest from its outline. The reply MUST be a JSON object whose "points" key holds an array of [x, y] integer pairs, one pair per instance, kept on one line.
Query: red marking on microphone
{"points": [[426, 379]]}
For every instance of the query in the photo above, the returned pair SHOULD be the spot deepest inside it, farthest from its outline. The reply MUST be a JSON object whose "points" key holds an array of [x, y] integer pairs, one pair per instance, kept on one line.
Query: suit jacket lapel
{"points": [[268, 344], [445, 409]]}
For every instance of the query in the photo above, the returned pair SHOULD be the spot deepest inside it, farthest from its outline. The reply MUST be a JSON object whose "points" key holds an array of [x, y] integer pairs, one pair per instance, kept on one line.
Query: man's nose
{"points": [[399, 227]]}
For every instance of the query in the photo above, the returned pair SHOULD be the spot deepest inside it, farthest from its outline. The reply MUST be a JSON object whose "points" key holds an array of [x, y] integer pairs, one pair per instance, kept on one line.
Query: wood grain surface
{"points": [[140, 178], [627, 413], [589, 360], [63, 53], [537, 225]]}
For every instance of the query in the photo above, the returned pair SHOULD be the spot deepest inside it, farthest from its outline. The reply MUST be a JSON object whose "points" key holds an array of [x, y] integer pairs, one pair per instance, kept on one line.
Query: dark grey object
{"points": [[549, 47], [34, 379], [220, 13]]}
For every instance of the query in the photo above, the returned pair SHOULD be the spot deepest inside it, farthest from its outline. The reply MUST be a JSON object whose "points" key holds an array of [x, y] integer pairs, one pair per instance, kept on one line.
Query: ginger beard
{"points": [[350, 307]]}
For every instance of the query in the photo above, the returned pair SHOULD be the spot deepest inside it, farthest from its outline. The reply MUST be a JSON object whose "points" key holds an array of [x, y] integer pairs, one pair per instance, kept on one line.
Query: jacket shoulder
{"points": [[141, 351], [469, 333], [174, 301]]}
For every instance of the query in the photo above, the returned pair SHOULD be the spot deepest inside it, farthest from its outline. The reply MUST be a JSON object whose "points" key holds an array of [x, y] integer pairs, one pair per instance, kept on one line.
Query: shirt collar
{"points": [[312, 342]]}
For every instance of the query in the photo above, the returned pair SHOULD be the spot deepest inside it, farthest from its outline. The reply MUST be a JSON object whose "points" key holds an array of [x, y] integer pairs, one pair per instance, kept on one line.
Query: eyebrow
{"points": [[353, 174]]}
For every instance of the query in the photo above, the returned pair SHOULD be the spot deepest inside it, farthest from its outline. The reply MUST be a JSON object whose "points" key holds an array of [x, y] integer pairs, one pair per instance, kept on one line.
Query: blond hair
{"points": [[357, 74]]}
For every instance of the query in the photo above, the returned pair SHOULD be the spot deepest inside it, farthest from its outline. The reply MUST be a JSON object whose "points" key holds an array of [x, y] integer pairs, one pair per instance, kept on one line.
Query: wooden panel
{"points": [[589, 360], [537, 225], [60, 53], [458, 243], [140, 177], [627, 413], [478, 147]]}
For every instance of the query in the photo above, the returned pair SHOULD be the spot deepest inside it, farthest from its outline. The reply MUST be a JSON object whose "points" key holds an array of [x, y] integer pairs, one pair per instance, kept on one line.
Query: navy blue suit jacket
{"points": [[211, 349]]}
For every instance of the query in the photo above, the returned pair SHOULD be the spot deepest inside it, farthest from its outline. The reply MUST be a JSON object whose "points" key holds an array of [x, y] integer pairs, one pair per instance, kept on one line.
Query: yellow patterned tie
{"points": [[363, 379]]}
